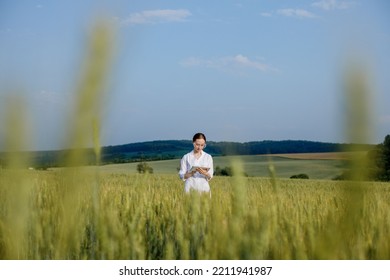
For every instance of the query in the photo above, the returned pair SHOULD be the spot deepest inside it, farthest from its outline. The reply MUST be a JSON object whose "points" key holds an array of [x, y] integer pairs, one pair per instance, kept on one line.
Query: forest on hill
{"points": [[171, 149]]}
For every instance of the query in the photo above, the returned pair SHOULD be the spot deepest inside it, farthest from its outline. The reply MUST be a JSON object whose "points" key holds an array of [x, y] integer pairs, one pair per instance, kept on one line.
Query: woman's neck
{"points": [[197, 154]]}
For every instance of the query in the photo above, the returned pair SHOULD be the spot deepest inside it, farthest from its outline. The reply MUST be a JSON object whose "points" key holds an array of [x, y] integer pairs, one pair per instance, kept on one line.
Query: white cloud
{"points": [[333, 5], [157, 16], [243, 61], [300, 13], [229, 63]]}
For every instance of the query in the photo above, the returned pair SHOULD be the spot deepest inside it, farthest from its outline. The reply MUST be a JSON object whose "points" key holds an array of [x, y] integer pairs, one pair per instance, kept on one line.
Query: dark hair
{"points": [[199, 135]]}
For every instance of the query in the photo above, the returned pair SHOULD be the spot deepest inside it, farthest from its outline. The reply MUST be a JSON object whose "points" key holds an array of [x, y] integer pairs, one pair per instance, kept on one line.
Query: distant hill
{"points": [[171, 149], [179, 147]]}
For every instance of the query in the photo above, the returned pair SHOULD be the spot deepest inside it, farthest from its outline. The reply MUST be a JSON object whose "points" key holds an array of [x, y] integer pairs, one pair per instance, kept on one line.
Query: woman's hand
{"points": [[189, 174], [203, 172]]}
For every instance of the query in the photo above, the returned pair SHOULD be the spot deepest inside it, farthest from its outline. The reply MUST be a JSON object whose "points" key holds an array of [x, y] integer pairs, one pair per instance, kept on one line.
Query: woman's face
{"points": [[199, 145]]}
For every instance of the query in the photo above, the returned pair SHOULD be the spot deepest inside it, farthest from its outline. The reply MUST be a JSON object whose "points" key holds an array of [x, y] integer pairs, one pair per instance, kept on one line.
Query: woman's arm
{"points": [[188, 175], [209, 173], [183, 173]]}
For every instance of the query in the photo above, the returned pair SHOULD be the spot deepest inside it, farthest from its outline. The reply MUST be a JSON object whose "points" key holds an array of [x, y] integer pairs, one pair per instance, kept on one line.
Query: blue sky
{"points": [[235, 70]]}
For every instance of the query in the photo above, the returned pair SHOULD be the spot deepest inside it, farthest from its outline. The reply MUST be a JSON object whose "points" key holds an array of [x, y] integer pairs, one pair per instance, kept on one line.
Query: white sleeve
{"points": [[211, 170], [183, 167]]}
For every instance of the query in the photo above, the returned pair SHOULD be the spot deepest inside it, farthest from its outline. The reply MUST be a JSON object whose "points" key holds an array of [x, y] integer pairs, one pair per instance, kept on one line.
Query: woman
{"points": [[196, 167]]}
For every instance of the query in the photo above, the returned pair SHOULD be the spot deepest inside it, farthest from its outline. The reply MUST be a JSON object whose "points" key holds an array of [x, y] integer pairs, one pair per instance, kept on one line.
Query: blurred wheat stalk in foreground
{"points": [[83, 132], [14, 186]]}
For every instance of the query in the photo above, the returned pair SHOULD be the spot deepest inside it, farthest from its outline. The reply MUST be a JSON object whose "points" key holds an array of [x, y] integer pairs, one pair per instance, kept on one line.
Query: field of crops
{"points": [[315, 166], [85, 214]]}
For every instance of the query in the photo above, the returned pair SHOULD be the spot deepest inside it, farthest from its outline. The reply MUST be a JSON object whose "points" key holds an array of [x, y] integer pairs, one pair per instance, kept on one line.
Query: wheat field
{"points": [[78, 214]]}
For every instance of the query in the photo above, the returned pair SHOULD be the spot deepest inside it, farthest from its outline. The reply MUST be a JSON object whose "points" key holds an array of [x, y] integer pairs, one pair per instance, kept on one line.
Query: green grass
{"points": [[256, 166]]}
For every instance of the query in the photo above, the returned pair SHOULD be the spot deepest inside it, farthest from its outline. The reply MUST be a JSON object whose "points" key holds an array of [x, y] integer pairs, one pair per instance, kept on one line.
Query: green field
{"points": [[256, 166]]}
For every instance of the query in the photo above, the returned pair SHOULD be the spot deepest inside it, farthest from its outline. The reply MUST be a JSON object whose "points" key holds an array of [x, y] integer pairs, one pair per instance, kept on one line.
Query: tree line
{"points": [[380, 158], [377, 167]]}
